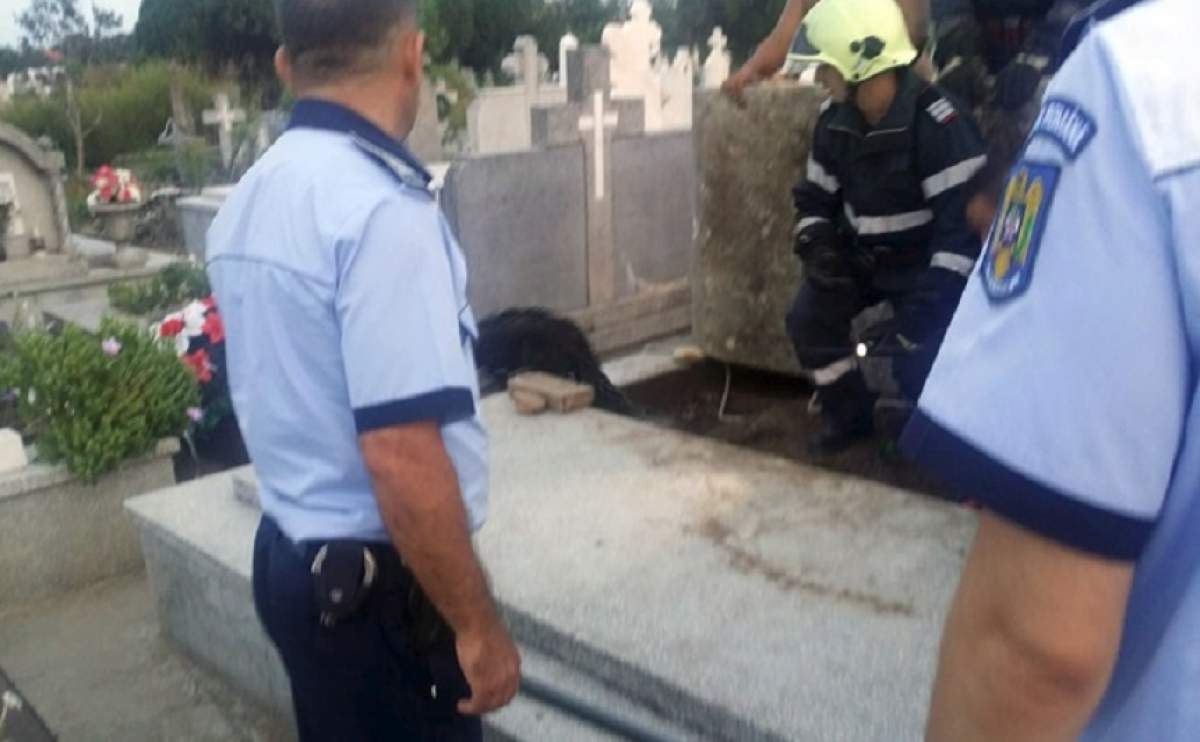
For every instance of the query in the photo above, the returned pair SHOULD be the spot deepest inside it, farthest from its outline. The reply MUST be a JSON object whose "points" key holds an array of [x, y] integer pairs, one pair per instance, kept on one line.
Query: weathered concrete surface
{"points": [[522, 222], [653, 179], [57, 534], [756, 597], [199, 544], [741, 596], [745, 276], [95, 667], [199, 538]]}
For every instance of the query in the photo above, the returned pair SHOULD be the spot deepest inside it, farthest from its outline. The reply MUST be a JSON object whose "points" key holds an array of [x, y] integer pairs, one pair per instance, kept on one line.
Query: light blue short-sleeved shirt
{"points": [[1065, 395], [344, 298]]}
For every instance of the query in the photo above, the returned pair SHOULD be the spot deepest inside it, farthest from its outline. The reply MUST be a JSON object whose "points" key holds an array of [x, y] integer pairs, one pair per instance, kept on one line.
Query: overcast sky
{"points": [[10, 35]]}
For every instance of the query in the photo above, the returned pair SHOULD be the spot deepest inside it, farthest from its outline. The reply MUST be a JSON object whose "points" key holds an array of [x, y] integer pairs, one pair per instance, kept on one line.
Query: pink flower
{"points": [[111, 346], [196, 414]]}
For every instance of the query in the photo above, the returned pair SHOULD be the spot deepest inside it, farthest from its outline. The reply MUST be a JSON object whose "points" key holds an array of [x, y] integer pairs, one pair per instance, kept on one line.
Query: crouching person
{"points": [[881, 223]]}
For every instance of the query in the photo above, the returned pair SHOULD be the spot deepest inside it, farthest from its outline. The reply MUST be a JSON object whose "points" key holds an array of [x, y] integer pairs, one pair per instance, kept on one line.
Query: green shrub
{"points": [[93, 402], [176, 285], [124, 109]]}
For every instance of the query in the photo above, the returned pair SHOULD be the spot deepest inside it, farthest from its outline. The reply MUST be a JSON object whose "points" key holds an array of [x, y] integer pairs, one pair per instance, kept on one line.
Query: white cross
{"points": [[588, 124], [224, 118], [718, 41]]}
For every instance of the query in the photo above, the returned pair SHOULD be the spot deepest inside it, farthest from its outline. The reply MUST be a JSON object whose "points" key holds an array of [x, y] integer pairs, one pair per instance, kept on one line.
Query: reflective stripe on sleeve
{"points": [[953, 262], [953, 176], [833, 372], [807, 222], [891, 224], [823, 180]]}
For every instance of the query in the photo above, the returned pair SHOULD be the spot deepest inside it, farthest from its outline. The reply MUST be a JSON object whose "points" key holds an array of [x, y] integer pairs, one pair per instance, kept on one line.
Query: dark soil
{"points": [[768, 413]]}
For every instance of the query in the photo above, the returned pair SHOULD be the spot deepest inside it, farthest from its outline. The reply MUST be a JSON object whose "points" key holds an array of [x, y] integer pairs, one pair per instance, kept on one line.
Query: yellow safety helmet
{"points": [[858, 38]]}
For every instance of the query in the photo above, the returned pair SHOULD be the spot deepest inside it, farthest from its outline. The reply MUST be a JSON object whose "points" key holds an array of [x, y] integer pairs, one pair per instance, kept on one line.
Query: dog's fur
{"points": [[534, 339]]}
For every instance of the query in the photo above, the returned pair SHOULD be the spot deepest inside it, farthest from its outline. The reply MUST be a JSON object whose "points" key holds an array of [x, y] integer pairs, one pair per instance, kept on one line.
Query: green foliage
{"points": [[176, 285], [16, 59], [690, 22], [92, 410], [128, 105], [453, 113], [219, 34]]}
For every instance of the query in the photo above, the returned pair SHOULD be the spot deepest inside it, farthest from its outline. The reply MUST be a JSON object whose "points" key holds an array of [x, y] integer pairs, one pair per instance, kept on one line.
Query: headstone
{"points": [[635, 47], [12, 451], [592, 117], [567, 44], [719, 62], [679, 85], [498, 120], [223, 118], [31, 183]]}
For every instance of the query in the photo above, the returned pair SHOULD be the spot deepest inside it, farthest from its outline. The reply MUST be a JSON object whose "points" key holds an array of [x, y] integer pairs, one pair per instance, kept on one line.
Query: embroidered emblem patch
{"points": [[1007, 267], [942, 111], [1066, 124]]}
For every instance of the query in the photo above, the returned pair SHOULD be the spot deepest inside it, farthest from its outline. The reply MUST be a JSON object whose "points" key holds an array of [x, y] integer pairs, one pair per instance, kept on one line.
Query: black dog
{"points": [[537, 340]]}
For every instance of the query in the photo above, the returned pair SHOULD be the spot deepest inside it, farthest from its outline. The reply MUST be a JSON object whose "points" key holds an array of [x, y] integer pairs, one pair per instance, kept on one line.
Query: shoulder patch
{"points": [[1012, 246], [942, 111], [1067, 124]]}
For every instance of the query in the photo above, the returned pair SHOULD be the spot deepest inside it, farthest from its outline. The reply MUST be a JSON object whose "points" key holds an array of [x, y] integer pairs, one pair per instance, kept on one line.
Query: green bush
{"points": [[93, 402], [176, 285], [125, 109]]}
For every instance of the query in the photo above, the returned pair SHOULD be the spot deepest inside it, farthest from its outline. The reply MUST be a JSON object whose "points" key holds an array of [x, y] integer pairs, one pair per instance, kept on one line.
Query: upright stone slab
{"points": [[593, 118], [744, 275], [31, 184]]}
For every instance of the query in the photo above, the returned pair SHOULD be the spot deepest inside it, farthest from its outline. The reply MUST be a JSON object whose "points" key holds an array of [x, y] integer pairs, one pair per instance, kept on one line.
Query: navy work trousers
{"points": [[358, 680]]}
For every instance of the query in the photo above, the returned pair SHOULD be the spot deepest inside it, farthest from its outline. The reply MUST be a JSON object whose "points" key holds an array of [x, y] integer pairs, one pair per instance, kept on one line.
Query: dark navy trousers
{"points": [[358, 681]]}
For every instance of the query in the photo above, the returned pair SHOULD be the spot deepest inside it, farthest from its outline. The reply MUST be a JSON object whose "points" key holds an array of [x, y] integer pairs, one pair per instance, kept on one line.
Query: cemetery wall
{"points": [[744, 275], [522, 222], [57, 534], [653, 179]]}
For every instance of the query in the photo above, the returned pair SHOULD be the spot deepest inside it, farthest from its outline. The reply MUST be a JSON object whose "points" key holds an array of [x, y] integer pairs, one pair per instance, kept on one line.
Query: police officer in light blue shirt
{"points": [[349, 342], [1065, 402]]}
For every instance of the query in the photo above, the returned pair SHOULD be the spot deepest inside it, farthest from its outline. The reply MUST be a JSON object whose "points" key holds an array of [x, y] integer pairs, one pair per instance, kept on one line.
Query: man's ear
{"points": [[283, 67], [412, 55]]}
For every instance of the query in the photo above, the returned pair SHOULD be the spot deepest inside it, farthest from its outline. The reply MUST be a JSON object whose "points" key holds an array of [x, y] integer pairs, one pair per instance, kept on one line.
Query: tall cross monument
{"points": [[591, 119]]}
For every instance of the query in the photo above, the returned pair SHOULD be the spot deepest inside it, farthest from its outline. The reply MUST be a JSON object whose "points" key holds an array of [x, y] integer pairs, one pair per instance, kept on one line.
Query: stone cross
{"points": [[719, 62], [598, 124], [223, 117], [591, 118]]}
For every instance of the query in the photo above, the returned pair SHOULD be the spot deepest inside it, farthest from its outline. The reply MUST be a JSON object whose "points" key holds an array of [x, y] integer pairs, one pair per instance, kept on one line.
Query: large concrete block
{"points": [[745, 276], [57, 534], [653, 186], [521, 219], [198, 541]]}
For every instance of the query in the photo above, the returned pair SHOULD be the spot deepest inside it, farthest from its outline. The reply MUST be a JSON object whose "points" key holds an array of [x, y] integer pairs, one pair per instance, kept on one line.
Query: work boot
{"points": [[836, 435]]}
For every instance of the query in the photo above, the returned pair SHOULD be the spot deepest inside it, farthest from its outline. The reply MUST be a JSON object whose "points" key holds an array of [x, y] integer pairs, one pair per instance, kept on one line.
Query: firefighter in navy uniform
{"points": [[880, 221]]}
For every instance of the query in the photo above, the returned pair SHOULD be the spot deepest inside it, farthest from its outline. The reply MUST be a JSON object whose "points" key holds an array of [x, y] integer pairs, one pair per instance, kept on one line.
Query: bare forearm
{"points": [[418, 493]]}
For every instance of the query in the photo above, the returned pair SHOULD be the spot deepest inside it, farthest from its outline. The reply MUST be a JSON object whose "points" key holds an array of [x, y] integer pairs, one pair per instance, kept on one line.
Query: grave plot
{"points": [[764, 412]]}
